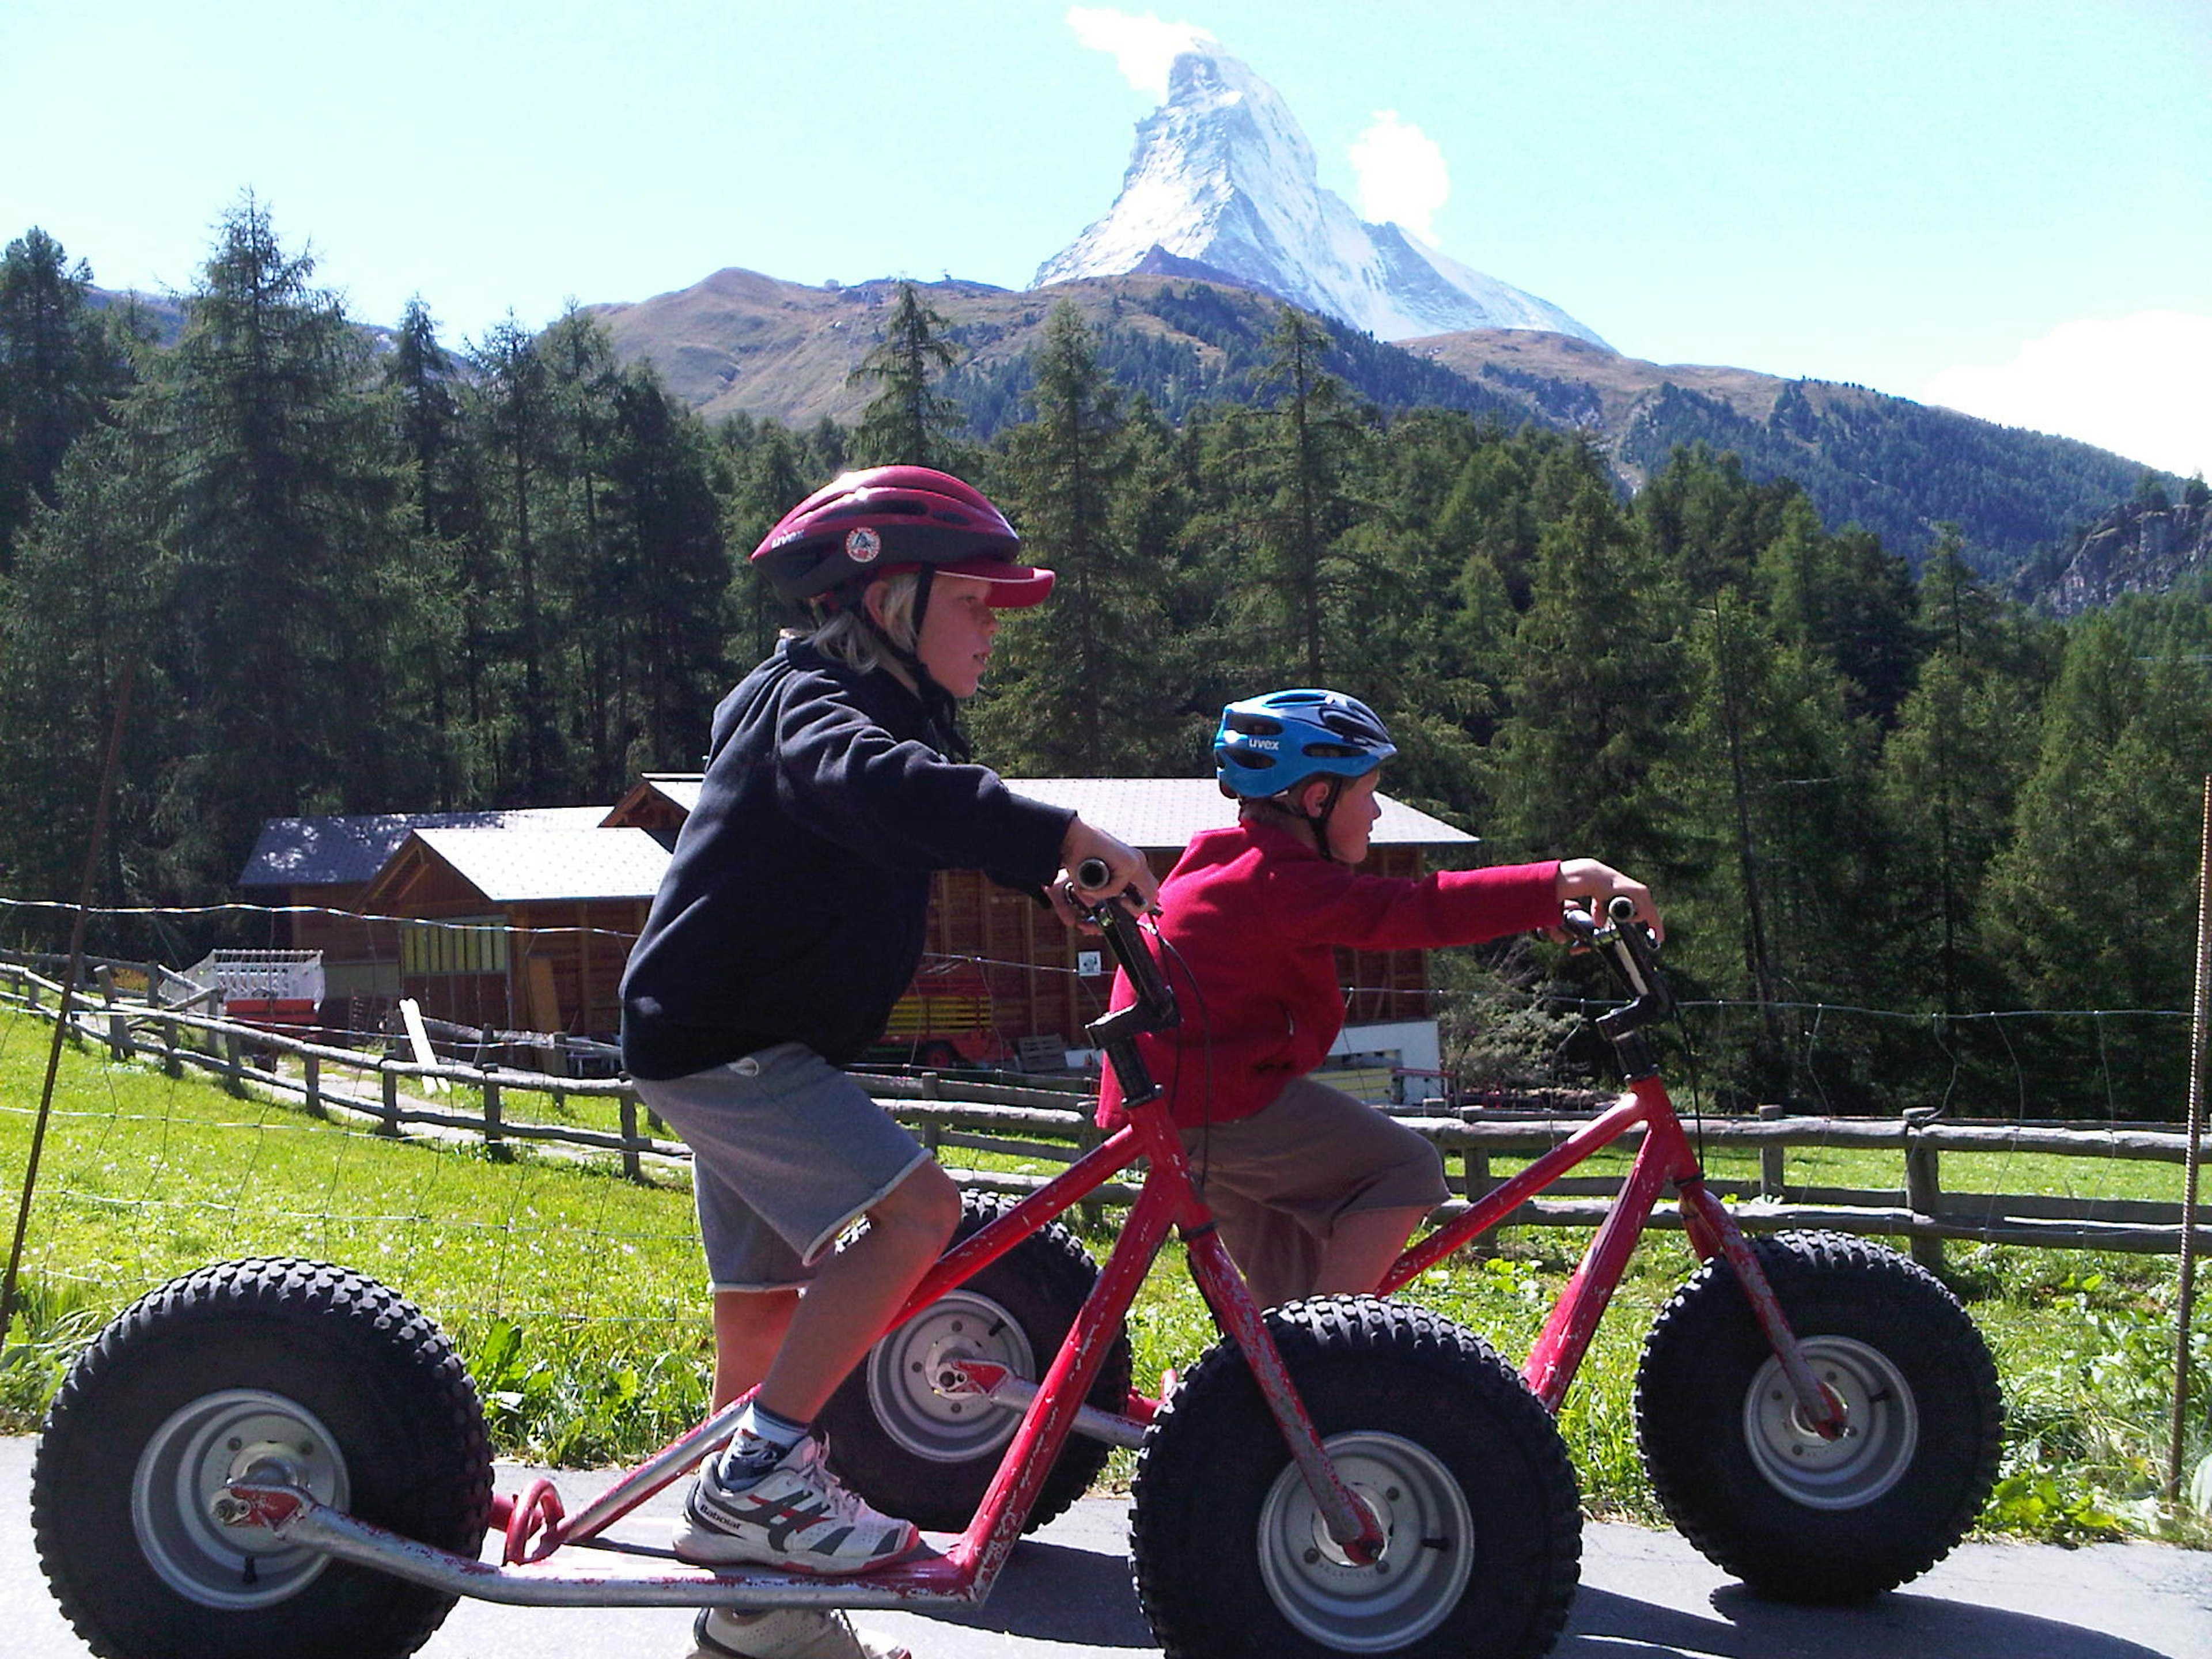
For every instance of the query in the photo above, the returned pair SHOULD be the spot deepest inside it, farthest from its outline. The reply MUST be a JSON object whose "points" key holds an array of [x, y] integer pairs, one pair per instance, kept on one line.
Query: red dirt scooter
{"points": [[277, 1456], [1816, 1414]]}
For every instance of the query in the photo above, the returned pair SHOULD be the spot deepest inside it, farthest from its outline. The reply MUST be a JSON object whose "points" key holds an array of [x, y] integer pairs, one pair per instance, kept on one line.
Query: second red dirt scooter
{"points": [[1818, 1414]]}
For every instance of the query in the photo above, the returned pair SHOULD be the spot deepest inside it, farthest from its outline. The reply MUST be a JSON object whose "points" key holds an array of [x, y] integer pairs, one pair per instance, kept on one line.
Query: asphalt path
{"points": [[1645, 1595]]}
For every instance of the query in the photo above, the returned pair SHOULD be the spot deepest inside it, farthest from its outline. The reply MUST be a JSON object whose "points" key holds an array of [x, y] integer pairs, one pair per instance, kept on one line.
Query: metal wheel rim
{"points": [[1882, 1430], [1428, 1552], [905, 1368], [205, 1445]]}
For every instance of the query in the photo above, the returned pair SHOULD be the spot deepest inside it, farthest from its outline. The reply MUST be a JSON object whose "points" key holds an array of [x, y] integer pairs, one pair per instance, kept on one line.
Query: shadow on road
{"points": [[1898, 1625], [1055, 1593]]}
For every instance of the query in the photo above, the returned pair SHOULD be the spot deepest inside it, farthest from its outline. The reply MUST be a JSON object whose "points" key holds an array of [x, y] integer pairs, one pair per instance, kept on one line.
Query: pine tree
{"points": [[515, 419], [1775, 849], [1949, 774], [422, 385], [1842, 597], [581, 579], [1317, 435], [673, 570], [58, 368], [1594, 685], [80, 606], [771, 477], [1073, 696], [284, 514], [2092, 902], [907, 423]]}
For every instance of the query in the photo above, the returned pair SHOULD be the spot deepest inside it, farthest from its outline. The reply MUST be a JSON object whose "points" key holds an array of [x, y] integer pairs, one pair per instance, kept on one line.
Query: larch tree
{"points": [[908, 422]]}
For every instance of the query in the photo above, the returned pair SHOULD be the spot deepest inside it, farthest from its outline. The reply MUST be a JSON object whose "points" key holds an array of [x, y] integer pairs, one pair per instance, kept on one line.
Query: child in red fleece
{"points": [[1315, 1192]]}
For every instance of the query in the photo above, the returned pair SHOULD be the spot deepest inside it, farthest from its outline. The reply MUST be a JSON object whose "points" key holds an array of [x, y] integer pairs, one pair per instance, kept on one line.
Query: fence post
{"points": [[1770, 1158], [232, 1066], [118, 1037], [106, 977], [627, 1102], [311, 1081], [389, 1123], [932, 1132], [1088, 1135], [1923, 1186], [1474, 1180], [171, 1062], [495, 1142]]}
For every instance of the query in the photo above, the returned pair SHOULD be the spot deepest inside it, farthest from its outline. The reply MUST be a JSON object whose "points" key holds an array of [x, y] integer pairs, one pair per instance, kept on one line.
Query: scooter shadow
{"points": [[1062, 1594], [1078, 1597], [1900, 1624]]}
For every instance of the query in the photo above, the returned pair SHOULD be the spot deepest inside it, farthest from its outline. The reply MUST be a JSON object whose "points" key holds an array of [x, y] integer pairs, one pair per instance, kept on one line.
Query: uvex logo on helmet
{"points": [[888, 519]]}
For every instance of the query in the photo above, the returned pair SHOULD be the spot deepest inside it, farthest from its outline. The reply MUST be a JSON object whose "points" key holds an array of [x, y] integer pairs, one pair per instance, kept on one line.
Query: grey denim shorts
{"points": [[787, 1152]]}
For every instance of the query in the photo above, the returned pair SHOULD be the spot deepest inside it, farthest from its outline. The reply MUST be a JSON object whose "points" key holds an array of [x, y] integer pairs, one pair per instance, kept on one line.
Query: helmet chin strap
{"points": [[1287, 804], [940, 705]]}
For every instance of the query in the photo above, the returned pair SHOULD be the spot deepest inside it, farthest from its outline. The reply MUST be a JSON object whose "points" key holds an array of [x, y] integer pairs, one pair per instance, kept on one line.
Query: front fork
{"points": [[1818, 1405], [1666, 1157]]}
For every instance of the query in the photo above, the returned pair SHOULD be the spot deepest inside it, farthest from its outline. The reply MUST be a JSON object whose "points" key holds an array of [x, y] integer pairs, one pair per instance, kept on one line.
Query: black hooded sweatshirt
{"points": [[794, 906]]}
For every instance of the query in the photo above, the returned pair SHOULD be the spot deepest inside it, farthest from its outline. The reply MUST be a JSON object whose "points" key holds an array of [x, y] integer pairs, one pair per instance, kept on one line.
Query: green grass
{"points": [[579, 1301]]}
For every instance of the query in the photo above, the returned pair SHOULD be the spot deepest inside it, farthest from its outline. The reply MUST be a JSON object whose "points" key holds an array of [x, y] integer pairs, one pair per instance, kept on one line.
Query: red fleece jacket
{"points": [[1254, 916]]}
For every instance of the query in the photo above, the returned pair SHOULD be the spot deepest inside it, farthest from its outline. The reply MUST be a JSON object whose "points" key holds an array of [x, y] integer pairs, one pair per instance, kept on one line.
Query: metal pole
{"points": [[2184, 1303], [69, 991]]}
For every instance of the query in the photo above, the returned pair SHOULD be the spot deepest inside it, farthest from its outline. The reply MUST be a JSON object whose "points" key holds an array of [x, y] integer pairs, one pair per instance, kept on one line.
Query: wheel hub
{"points": [[185, 1473], [918, 1397], [1428, 1547], [1881, 1432]]}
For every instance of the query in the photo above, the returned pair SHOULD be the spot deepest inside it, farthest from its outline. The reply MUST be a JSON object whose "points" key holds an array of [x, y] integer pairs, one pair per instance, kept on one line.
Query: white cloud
{"points": [[1143, 47], [2132, 385], [1403, 175]]}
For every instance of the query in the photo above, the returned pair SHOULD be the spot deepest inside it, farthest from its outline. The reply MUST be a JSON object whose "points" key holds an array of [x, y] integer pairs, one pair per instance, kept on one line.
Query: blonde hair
{"points": [[850, 636]]}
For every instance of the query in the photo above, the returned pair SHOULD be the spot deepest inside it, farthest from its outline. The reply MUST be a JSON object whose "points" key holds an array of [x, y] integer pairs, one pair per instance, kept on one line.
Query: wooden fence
{"points": [[1038, 1121]]}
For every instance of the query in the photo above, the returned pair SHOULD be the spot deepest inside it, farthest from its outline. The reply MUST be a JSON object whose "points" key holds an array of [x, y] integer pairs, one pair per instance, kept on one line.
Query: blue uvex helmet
{"points": [[1269, 744]]}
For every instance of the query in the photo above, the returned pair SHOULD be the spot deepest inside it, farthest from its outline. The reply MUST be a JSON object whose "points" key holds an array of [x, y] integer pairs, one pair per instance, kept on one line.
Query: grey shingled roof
{"points": [[524, 865], [330, 851], [1155, 814], [1162, 814]]}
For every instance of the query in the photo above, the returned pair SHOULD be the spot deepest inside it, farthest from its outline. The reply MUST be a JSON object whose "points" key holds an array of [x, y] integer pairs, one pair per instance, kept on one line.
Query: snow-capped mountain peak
{"points": [[1222, 176]]}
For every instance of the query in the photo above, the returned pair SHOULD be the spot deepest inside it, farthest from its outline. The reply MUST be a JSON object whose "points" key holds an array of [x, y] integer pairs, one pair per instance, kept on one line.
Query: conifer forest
{"points": [[1917, 846]]}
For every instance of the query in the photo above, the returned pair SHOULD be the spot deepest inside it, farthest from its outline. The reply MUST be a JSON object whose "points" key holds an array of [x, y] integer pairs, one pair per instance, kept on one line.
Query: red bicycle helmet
{"points": [[890, 518]]}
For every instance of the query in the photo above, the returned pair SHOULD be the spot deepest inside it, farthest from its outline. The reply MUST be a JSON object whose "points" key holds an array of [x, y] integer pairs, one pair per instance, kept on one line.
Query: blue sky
{"points": [[2004, 207]]}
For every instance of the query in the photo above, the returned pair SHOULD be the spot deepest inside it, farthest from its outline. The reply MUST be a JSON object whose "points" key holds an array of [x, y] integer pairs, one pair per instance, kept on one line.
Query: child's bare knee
{"points": [[925, 1206]]}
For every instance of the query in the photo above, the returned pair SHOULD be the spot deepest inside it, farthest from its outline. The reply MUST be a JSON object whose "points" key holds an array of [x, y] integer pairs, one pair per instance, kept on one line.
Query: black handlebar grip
{"points": [[1092, 874], [1620, 906]]}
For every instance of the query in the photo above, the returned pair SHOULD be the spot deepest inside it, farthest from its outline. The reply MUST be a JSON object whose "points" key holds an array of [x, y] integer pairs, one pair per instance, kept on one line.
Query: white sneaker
{"points": [[785, 1633], [798, 1516]]}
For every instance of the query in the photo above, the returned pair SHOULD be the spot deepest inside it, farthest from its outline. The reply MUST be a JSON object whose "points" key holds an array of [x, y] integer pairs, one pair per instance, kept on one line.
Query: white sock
{"points": [[760, 1443]]}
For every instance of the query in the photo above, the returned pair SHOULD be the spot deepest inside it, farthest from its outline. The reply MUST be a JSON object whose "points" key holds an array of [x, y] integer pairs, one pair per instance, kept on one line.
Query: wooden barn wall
{"points": [[577, 949]]}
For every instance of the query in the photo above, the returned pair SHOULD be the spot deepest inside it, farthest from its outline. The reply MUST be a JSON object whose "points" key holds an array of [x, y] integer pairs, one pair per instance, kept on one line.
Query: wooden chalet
{"points": [[519, 928], [1038, 982], [318, 872], [523, 920]]}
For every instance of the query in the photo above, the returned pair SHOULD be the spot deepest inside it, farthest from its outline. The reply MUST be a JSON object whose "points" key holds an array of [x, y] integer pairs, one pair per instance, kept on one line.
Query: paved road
{"points": [[1645, 1595]]}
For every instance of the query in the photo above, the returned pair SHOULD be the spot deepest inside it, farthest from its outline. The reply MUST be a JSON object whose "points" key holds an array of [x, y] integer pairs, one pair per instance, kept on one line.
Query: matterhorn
{"points": [[1223, 184]]}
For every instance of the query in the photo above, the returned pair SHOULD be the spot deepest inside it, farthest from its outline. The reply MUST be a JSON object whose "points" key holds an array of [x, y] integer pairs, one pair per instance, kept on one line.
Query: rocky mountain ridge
{"points": [[2141, 546]]}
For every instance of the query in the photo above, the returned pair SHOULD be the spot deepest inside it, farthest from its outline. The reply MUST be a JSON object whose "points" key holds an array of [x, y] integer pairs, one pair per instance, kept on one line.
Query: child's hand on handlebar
{"points": [[1596, 885], [1125, 875]]}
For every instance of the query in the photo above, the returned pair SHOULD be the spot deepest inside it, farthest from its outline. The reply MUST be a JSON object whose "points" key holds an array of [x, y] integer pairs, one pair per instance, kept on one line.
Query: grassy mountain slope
{"points": [[743, 342]]}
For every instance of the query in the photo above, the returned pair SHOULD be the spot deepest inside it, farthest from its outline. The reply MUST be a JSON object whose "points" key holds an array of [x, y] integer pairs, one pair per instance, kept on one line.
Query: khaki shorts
{"points": [[787, 1152], [1279, 1180]]}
